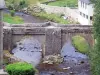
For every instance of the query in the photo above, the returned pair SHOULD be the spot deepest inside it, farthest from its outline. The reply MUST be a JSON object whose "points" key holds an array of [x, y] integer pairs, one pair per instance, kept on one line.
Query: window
{"points": [[85, 6], [80, 13], [81, 3], [91, 17], [86, 16]]}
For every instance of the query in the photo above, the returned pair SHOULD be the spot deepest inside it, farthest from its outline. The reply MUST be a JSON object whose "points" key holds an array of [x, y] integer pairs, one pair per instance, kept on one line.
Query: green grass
{"points": [[69, 3], [80, 44], [42, 1], [30, 2], [52, 17], [13, 20]]}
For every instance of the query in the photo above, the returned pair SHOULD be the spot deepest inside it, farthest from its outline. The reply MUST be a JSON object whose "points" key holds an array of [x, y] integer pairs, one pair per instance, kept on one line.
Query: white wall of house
{"points": [[85, 11]]}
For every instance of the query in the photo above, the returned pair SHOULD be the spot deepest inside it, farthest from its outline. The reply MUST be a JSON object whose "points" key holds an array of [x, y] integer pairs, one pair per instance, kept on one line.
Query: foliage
{"points": [[10, 7], [51, 17], [20, 68], [13, 20], [22, 3], [12, 12], [95, 53], [80, 44], [69, 3], [16, 4]]}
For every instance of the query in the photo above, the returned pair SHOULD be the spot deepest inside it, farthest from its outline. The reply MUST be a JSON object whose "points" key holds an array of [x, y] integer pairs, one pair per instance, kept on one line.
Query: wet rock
{"points": [[52, 59], [71, 73], [66, 68]]}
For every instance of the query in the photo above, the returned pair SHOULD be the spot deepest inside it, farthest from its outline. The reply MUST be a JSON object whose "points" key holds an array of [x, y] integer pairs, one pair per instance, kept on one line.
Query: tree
{"points": [[95, 53]]}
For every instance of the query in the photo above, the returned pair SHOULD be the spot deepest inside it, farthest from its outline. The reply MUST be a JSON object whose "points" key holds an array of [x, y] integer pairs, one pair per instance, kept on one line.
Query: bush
{"points": [[80, 44], [10, 7], [12, 12], [20, 68]]}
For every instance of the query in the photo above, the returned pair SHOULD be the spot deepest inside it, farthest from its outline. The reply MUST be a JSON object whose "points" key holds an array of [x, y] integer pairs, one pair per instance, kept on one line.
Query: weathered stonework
{"points": [[52, 35]]}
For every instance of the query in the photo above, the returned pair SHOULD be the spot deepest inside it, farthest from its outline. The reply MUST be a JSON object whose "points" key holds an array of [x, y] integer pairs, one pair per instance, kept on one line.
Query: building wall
{"points": [[86, 10], [83, 20]]}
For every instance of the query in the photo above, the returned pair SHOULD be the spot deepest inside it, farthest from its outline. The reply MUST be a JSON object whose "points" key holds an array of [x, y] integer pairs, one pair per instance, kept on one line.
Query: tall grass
{"points": [[13, 20]]}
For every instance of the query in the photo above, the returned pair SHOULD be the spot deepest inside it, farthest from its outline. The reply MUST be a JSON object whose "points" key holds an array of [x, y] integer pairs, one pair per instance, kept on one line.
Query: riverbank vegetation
{"points": [[51, 17], [63, 3], [80, 44], [12, 19], [95, 53]]}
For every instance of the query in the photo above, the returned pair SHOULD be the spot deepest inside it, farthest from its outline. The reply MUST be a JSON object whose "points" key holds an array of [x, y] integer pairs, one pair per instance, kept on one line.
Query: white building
{"points": [[85, 8]]}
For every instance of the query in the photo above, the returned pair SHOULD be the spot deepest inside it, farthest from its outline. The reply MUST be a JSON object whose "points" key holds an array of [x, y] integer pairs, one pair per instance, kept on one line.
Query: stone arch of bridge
{"points": [[87, 36]]}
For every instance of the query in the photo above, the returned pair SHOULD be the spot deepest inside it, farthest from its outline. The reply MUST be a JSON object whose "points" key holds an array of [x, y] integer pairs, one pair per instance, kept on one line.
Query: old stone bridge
{"points": [[52, 36]]}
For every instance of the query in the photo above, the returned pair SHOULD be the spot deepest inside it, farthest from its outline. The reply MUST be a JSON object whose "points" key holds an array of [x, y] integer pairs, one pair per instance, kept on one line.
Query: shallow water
{"points": [[68, 51], [29, 50], [73, 60]]}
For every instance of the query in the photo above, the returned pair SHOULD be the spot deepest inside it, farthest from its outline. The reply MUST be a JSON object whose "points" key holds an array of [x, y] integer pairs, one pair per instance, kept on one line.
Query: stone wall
{"points": [[52, 36]]}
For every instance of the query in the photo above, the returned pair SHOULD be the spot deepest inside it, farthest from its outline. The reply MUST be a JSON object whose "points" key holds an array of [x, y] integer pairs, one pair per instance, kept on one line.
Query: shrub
{"points": [[80, 44], [10, 7], [20, 68], [12, 12]]}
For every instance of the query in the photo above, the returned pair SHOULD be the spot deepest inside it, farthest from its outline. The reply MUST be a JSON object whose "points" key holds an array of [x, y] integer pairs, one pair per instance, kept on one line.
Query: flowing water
{"points": [[29, 50], [69, 53]]}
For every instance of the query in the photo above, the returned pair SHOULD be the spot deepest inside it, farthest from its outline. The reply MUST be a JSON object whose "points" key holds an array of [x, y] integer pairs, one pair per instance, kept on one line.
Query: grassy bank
{"points": [[69, 3], [13, 20], [80, 44], [51, 17]]}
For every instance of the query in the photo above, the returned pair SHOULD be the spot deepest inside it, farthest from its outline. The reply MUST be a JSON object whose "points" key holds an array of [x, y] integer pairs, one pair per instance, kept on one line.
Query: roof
{"points": [[86, 1]]}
